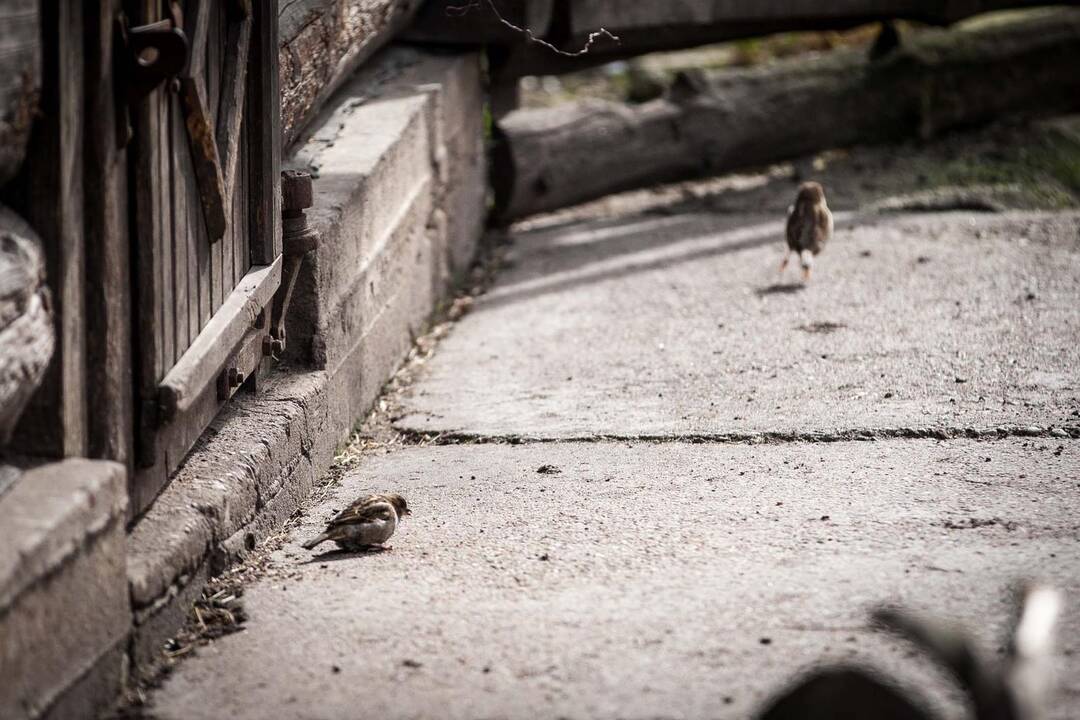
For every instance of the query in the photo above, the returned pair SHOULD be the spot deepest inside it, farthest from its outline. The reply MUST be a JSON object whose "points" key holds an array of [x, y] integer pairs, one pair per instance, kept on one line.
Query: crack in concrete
{"points": [[416, 438]]}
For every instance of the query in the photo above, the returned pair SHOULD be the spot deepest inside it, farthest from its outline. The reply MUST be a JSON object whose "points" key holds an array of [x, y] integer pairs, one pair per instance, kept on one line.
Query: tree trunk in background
{"points": [[726, 120], [322, 42], [644, 27]]}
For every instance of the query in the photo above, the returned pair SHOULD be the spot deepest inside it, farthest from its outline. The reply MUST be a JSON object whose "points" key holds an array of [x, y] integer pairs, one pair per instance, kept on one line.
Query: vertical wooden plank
{"points": [[264, 136], [202, 245], [181, 231], [49, 195], [242, 247], [108, 288], [214, 52], [196, 245], [145, 195], [168, 227]]}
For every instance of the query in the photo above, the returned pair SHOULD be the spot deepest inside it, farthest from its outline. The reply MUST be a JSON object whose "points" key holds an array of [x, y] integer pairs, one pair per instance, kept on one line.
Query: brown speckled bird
{"points": [[809, 227], [366, 524]]}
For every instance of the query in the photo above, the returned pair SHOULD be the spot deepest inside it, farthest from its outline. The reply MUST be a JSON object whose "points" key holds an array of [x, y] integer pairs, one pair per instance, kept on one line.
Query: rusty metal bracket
{"points": [[298, 239]]}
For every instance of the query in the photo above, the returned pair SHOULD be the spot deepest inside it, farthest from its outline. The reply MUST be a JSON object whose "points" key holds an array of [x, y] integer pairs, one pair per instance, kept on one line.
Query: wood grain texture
{"points": [[108, 269], [322, 42], [211, 350], [218, 289], [26, 321], [49, 194], [264, 133], [727, 120], [20, 80]]}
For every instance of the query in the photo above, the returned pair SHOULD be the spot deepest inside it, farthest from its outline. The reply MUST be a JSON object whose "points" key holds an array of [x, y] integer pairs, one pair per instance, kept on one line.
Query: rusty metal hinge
{"points": [[297, 239]]}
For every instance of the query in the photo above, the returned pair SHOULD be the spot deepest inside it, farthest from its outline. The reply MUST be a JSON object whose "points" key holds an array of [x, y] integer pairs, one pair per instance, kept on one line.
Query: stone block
{"points": [[399, 147], [64, 608]]}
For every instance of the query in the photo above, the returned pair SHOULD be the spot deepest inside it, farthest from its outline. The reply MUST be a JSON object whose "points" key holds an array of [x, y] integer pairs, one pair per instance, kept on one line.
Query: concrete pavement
{"points": [[718, 545], [680, 325]]}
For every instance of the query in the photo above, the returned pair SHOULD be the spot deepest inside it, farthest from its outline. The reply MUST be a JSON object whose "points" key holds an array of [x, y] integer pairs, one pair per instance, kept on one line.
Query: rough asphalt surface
{"points": [[692, 577]]}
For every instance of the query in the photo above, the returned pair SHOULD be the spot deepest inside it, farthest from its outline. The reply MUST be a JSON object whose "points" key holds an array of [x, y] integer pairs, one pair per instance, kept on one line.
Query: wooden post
{"points": [[110, 429], [49, 194], [264, 135]]}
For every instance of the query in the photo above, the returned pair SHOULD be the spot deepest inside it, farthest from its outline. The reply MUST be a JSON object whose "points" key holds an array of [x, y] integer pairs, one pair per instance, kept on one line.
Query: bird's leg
{"points": [[784, 262], [806, 259]]}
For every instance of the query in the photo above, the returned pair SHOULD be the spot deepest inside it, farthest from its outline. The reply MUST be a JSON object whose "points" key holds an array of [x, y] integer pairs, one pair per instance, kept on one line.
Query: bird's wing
{"points": [[823, 226], [364, 511], [792, 229]]}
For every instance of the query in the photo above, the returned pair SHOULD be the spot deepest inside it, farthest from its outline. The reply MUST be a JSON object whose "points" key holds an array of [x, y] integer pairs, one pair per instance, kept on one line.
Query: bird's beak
{"points": [[407, 512]]}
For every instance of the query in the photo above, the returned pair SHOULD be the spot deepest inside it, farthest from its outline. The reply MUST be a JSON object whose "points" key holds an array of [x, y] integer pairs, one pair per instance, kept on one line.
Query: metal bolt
{"points": [[296, 193], [236, 378], [273, 346]]}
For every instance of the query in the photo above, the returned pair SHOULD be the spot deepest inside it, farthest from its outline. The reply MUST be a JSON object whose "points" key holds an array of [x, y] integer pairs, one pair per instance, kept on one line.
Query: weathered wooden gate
{"points": [[203, 188]]}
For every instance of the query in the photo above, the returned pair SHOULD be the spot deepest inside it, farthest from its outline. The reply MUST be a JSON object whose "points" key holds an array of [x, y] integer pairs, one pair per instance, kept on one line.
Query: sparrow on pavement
{"points": [[809, 227], [366, 524]]}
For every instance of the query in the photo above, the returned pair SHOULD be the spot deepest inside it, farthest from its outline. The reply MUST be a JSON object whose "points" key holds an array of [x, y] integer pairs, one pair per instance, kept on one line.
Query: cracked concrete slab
{"points": [[643, 580], [678, 325]]}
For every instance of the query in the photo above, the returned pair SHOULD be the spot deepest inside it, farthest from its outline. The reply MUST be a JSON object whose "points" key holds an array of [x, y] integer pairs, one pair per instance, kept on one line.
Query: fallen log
{"points": [[725, 120], [472, 22], [26, 322], [645, 27], [20, 80], [322, 42]]}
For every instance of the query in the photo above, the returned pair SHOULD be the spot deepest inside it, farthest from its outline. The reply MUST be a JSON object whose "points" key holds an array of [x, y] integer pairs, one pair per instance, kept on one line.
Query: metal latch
{"points": [[144, 57], [297, 239]]}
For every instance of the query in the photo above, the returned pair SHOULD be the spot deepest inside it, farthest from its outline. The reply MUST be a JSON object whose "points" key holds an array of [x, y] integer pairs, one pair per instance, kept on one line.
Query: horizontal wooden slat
{"points": [[205, 359]]}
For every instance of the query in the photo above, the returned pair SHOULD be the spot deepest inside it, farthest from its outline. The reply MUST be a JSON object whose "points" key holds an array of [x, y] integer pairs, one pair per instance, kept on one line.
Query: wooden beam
{"points": [[645, 27], [205, 359], [49, 194], [322, 42], [727, 120], [108, 264], [454, 22], [264, 135]]}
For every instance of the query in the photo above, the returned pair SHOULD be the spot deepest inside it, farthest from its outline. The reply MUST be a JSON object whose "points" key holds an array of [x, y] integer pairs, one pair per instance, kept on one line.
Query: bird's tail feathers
{"points": [[315, 541]]}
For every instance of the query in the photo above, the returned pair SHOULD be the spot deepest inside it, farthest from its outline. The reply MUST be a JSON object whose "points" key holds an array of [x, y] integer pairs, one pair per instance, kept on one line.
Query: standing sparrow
{"points": [[367, 523], [809, 226]]}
